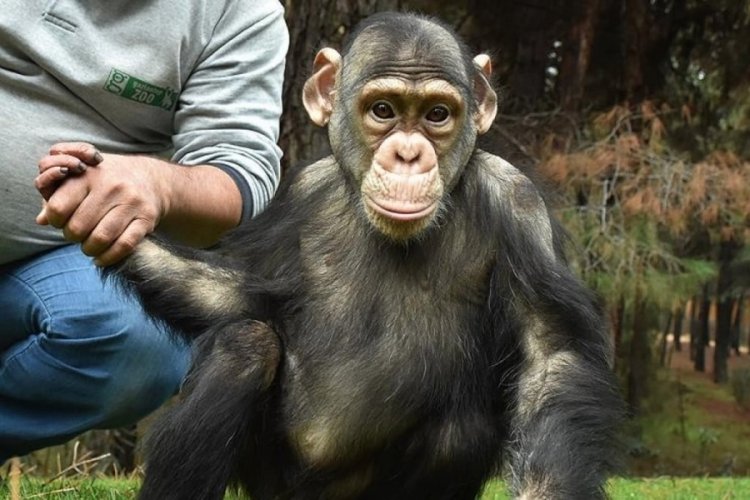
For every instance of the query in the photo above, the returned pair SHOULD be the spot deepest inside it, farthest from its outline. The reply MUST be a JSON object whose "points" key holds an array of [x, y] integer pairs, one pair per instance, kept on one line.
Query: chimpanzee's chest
{"points": [[376, 351]]}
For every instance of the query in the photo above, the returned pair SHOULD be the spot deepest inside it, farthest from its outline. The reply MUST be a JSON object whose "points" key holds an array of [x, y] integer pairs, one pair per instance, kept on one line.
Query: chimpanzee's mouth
{"points": [[401, 210]]}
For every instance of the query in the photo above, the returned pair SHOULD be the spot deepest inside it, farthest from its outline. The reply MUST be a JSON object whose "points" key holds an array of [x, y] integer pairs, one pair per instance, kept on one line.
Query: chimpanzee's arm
{"points": [[567, 405], [187, 289], [256, 264], [193, 450]]}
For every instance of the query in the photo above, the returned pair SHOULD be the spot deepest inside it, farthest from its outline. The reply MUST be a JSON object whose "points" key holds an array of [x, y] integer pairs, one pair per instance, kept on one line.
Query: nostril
{"points": [[409, 156], [406, 154]]}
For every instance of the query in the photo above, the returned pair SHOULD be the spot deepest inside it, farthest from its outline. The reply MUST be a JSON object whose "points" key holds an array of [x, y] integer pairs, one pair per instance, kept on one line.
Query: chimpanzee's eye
{"points": [[382, 110], [438, 114]]}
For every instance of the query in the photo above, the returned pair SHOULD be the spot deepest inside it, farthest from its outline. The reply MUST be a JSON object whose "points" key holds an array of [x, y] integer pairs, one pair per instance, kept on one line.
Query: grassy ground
{"points": [[693, 426], [620, 489]]}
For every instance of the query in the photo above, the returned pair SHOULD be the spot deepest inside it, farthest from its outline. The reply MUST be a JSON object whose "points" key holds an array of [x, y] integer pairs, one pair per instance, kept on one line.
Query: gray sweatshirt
{"points": [[194, 81]]}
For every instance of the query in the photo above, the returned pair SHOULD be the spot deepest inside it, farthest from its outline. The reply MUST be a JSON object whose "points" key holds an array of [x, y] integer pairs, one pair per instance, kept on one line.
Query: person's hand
{"points": [[63, 160], [107, 202]]}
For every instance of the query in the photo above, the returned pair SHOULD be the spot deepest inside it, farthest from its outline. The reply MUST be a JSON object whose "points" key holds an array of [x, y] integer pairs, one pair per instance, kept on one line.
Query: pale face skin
{"points": [[406, 124], [406, 121]]}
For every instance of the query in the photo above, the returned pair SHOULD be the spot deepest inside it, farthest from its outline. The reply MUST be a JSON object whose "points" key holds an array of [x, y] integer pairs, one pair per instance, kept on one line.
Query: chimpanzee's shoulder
{"points": [[506, 194], [503, 183]]}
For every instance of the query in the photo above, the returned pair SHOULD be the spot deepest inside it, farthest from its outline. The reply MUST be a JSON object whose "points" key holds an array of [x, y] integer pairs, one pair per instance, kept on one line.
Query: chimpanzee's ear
{"points": [[317, 95], [484, 94]]}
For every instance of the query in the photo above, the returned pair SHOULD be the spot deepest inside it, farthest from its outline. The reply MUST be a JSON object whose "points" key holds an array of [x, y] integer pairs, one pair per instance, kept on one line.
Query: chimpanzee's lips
{"points": [[401, 210]]}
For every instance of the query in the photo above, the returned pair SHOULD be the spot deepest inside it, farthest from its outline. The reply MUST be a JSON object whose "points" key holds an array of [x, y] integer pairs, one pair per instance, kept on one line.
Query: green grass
{"points": [[90, 488], [620, 489], [681, 489]]}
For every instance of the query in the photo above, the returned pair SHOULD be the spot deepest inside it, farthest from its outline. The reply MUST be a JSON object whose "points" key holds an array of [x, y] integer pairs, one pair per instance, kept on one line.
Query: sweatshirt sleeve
{"points": [[230, 106]]}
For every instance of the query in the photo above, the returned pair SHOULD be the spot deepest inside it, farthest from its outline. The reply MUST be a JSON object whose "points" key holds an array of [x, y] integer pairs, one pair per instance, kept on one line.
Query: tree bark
{"points": [[617, 316], [679, 317], [727, 252], [577, 54], [648, 37], [664, 337], [694, 328], [723, 339], [636, 44], [737, 324], [639, 357], [702, 331]]}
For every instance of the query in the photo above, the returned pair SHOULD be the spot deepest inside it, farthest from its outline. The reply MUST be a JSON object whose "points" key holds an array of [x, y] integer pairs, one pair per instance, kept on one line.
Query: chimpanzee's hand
{"points": [[110, 208]]}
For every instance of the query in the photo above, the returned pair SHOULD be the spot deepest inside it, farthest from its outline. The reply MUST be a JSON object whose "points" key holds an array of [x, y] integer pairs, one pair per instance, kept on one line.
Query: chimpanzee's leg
{"points": [[192, 451]]}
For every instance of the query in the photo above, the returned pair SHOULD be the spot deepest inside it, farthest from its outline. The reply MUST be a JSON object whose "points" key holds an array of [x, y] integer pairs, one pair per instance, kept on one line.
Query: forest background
{"points": [[636, 114]]}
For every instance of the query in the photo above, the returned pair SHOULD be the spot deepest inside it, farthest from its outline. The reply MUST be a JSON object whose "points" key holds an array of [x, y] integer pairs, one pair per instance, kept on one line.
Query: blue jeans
{"points": [[75, 353]]}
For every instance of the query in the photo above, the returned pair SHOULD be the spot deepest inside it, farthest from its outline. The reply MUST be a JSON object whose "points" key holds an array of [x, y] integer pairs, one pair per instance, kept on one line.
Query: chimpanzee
{"points": [[399, 323]]}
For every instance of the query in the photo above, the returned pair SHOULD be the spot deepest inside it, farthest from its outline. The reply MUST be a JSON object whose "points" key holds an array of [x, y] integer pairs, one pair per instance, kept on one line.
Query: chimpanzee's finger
{"points": [[82, 150]]}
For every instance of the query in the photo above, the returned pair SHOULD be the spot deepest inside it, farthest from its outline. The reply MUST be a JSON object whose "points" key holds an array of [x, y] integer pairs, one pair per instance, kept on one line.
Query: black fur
{"points": [[238, 431], [382, 369]]}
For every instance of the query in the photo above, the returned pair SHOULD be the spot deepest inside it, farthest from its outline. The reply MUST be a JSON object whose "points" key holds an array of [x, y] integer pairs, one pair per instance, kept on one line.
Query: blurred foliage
{"points": [[709, 76], [645, 217]]}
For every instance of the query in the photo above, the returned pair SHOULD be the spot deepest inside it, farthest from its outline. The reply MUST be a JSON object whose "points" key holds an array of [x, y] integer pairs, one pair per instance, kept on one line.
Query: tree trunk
{"points": [[636, 44], [723, 339], [314, 24], [737, 324], [679, 317], [577, 54], [639, 357], [702, 333], [727, 252], [650, 30], [664, 337], [616, 317], [694, 307]]}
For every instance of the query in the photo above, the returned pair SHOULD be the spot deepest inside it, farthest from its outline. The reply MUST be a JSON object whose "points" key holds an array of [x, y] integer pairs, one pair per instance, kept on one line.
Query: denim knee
{"points": [[144, 371], [76, 353]]}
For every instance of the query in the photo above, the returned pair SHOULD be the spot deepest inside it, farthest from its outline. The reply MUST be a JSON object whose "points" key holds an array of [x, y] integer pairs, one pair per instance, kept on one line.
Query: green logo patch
{"points": [[135, 89]]}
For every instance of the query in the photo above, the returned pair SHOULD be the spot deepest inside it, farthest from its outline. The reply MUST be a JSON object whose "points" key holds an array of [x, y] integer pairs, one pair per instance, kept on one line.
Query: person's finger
{"points": [[104, 232], [48, 181], [125, 243], [64, 202], [41, 217], [90, 212], [81, 150], [73, 164]]}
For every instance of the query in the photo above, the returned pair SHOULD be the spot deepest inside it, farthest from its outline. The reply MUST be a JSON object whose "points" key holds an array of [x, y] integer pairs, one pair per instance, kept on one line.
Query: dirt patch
{"points": [[720, 409]]}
